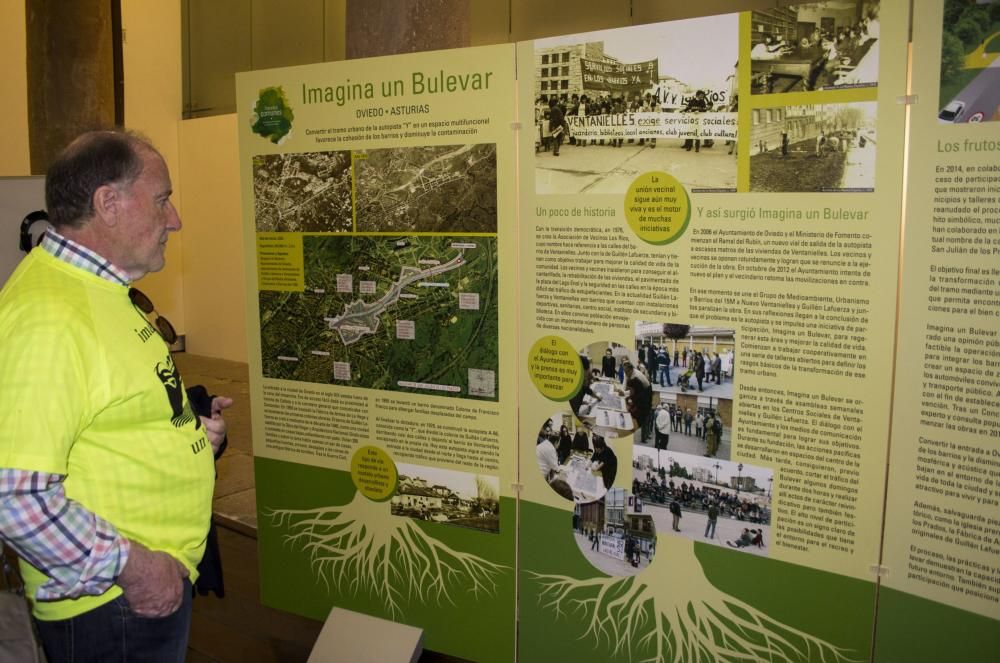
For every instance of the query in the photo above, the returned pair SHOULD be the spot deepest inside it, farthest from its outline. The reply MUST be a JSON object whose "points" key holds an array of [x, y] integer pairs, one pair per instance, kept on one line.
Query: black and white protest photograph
{"points": [[815, 46], [447, 496], [612, 104], [616, 533], [577, 462], [713, 501], [819, 147]]}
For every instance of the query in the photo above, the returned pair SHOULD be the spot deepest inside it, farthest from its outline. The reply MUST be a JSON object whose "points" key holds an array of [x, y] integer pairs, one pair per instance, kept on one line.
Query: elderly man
{"points": [[107, 479]]}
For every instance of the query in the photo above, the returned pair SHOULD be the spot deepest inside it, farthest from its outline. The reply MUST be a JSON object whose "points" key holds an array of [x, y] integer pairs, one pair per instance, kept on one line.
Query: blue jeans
{"points": [[665, 376], [113, 633], [710, 529]]}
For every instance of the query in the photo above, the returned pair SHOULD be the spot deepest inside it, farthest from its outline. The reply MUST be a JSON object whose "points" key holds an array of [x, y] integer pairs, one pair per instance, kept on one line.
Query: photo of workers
{"points": [[578, 463], [815, 46], [614, 103], [820, 147], [616, 533], [713, 501]]}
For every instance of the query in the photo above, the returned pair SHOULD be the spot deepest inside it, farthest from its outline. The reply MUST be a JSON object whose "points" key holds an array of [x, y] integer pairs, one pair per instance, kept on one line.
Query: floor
{"points": [[238, 628]]}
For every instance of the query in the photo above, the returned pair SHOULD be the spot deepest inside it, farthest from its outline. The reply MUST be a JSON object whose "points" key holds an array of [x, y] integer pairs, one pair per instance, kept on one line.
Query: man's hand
{"points": [[153, 581], [215, 427]]}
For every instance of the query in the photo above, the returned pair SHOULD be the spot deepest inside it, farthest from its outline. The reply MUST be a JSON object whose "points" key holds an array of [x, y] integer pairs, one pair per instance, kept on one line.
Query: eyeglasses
{"points": [[143, 303]]}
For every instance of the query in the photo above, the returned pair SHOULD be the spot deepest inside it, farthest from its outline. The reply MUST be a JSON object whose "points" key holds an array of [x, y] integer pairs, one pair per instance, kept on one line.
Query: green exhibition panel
{"points": [[588, 348]]}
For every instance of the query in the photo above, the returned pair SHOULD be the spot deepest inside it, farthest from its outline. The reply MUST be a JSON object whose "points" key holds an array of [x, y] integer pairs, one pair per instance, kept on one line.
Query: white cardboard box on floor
{"points": [[351, 637]]}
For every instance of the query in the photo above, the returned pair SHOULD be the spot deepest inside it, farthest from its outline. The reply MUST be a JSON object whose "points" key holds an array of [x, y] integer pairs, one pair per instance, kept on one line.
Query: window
{"points": [[565, 56], [545, 72], [545, 59], [756, 117], [565, 71], [545, 85], [564, 85]]}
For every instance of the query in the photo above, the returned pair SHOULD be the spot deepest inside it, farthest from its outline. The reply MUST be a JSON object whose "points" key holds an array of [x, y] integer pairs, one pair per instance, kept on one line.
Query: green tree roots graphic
{"points": [[683, 618], [361, 548]]}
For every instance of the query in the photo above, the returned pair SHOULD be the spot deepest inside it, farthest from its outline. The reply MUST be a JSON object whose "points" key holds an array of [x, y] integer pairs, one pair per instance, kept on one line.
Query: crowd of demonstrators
{"points": [[691, 497], [554, 130]]}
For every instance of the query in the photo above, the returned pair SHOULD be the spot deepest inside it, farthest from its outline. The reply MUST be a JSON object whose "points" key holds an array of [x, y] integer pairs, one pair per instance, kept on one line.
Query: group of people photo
{"points": [[554, 119], [657, 97], [705, 499], [576, 462], [704, 424], [815, 46]]}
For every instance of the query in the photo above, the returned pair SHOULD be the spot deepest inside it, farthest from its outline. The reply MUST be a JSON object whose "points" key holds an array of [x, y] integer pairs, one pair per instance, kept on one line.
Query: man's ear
{"points": [[107, 204]]}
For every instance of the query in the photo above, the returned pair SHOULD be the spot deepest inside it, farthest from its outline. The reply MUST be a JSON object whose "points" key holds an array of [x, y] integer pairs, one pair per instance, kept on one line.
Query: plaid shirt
{"points": [[79, 552]]}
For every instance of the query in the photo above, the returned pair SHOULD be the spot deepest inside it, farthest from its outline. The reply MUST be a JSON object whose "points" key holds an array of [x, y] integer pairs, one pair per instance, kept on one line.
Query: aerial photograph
{"points": [[439, 188], [403, 313]]}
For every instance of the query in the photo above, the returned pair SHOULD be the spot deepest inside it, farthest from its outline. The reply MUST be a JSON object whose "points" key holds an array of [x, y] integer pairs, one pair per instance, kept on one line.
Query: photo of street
{"points": [[415, 314], [612, 104], [970, 62], [817, 147], [708, 500], [446, 496], [615, 533], [440, 188]]}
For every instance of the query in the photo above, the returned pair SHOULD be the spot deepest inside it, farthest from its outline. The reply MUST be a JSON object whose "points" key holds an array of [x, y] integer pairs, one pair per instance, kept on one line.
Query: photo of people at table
{"points": [[815, 46], [576, 462], [617, 396]]}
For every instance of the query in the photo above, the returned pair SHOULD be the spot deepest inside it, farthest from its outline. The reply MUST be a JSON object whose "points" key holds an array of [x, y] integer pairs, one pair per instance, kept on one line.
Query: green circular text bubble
{"points": [[374, 473], [555, 368], [657, 208]]}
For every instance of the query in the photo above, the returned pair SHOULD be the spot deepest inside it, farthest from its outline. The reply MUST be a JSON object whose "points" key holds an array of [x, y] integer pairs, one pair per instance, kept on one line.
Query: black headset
{"points": [[37, 215]]}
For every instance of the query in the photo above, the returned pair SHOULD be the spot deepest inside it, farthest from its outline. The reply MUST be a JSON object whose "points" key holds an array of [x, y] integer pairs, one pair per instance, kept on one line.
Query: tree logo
{"points": [[272, 116]]}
